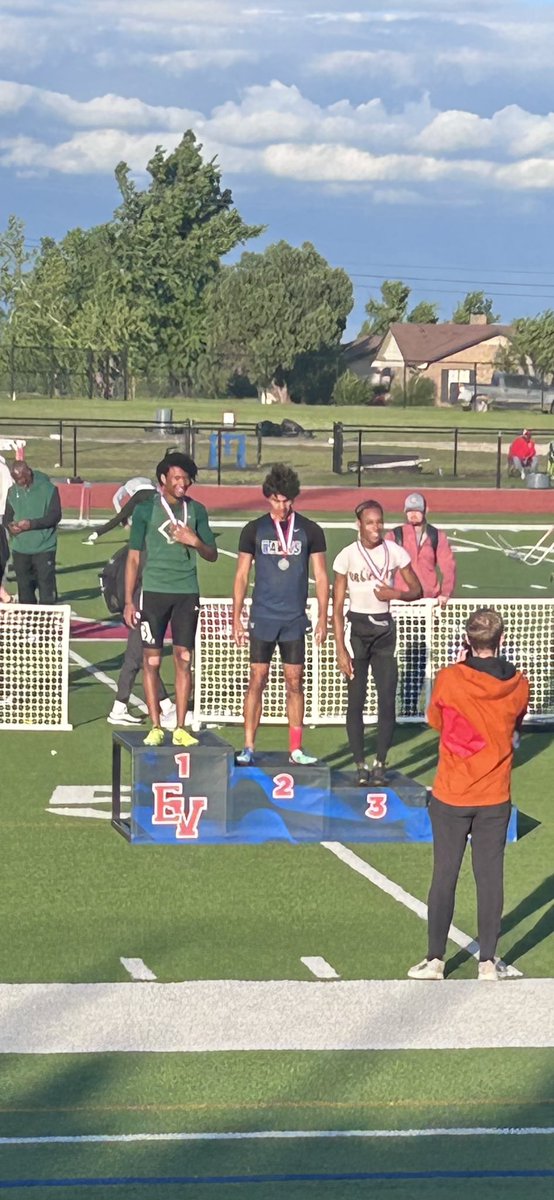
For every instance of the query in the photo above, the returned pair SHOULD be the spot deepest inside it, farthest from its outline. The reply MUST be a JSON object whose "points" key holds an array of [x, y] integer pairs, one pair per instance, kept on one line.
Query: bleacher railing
{"points": [[428, 638]]}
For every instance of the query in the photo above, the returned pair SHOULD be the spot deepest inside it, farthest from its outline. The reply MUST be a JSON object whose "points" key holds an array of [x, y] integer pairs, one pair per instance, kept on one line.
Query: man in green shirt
{"points": [[170, 530], [32, 516]]}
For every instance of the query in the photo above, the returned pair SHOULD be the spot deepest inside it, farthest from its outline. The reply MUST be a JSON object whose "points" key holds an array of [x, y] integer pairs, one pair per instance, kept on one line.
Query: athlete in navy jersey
{"points": [[283, 545]]}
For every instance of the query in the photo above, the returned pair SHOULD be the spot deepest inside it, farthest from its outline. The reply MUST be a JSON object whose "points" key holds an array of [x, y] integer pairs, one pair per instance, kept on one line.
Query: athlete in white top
{"points": [[366, 570]]}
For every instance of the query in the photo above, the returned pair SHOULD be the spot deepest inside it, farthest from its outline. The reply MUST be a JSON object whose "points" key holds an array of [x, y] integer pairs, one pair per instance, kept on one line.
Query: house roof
{"points": [[362, 346], [430, 343]]}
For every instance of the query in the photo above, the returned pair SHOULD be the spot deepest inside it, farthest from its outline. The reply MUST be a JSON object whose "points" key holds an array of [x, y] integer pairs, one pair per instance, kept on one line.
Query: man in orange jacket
{"points": [[477, 706]]}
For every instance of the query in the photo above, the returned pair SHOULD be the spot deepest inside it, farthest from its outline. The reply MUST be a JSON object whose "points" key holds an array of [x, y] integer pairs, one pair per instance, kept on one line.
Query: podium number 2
{"points": [[284, 787]]}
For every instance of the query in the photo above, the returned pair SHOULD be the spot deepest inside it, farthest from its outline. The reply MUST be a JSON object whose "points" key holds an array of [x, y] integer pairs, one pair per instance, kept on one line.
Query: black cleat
{"points": [[362, 775]]}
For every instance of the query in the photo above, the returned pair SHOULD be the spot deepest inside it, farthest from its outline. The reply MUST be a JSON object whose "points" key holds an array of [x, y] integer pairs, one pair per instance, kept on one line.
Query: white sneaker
{"points": [[168, 715], [301, 759], [494, 970], [120, 715], [432, 968], [522, 473]]}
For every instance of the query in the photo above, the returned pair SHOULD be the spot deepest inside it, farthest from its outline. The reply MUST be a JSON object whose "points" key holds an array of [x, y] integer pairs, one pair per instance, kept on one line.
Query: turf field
{"points": [[77, 900]]}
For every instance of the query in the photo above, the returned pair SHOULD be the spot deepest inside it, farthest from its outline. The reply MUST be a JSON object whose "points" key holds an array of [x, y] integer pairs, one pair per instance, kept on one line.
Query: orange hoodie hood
{"points": [[476, 709]]}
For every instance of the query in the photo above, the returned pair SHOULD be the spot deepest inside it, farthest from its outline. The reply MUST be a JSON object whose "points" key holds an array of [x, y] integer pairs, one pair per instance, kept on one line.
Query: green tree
{"points": [[475, 304], [531, 346], [424, 313], [392, 307], [169, 241], [270, 309]]}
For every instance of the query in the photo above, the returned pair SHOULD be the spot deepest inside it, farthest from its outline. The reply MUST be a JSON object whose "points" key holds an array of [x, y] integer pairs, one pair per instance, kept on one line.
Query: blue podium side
{"points": [[198, 796]]}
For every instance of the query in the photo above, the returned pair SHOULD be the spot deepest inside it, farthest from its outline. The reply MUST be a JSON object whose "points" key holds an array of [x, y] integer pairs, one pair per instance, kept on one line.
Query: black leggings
{"points": [[373, 643], [488, 826]]}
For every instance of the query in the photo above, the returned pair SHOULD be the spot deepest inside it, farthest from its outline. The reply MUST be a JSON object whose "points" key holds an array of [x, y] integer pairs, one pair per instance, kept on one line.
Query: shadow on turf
{"points": [[541, 895], [75, 567]]}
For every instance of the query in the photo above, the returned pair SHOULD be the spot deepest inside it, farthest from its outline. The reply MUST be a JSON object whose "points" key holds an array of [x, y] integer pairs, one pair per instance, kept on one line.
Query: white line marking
{"points": [[138, 970], [274, 1135], [393, 889], [355, 1014], [320, 968], [540, 587], [473, 586], [101, 677]]}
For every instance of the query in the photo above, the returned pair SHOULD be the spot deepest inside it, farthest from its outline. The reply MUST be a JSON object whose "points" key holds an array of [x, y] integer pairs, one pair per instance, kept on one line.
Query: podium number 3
{"points": [[284, 787], [376, 805]]}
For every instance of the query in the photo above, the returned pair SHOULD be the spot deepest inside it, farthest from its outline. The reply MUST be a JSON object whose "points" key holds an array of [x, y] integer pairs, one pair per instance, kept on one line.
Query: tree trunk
{"points": [[280, 392]]}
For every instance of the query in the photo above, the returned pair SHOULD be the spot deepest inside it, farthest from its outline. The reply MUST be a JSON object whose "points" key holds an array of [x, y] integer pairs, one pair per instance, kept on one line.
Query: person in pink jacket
{"points": [[433, 561], [430, 552]]}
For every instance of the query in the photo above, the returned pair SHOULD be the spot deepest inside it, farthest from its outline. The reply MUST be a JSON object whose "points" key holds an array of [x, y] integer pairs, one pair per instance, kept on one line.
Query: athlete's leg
{"points": [[292, 657], [184, 620], [259, 672], [151, 662], [182, 659], [155, 613], [384, 669]]}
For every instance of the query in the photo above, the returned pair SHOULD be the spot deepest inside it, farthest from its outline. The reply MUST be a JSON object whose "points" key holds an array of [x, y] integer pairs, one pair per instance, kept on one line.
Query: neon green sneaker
{"points": [[180, 737], [155, 737]]}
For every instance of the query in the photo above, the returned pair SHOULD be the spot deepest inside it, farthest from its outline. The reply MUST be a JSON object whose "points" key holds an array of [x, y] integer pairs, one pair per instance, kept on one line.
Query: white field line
{"points": [[393, 889], [275, 1135], [320, 968], [238, 1015], [138, 970], [101, 677]]}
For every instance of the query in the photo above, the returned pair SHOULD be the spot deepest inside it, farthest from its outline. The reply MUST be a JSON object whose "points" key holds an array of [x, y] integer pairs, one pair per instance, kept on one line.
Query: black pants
{"points": [[36, 572], [488, 826], [132, 664], [4, 551], [373, 644]]}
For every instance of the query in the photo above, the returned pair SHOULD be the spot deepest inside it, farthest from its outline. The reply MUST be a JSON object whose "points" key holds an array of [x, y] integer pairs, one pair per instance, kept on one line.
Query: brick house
{"points": [[447, 353]]}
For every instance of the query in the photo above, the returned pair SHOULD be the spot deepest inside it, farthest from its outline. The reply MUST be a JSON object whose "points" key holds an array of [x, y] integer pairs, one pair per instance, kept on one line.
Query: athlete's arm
{"points": [[414, 592], [319, 563], [344, 661], [130, 613], [203, 541], [239, 592]]}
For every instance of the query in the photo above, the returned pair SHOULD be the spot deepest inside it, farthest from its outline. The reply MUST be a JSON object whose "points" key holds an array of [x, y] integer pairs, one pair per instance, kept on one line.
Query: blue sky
{"points": [[409, 140]]}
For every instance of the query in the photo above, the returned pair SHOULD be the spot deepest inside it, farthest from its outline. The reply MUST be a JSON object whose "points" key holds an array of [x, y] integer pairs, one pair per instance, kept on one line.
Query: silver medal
{"points": [[283, 564]]}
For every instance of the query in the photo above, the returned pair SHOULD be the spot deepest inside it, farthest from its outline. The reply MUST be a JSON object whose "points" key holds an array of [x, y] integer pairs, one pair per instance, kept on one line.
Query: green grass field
{"points": [[426, 432], [76, 899]]}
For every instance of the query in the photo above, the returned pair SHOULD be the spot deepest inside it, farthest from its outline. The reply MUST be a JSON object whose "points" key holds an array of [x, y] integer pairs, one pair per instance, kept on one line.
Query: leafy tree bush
{"points": [[350, 389], [419, 392]]}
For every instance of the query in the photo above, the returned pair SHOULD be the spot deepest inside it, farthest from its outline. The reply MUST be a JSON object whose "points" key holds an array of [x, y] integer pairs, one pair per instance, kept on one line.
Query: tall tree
{"points": [[169, 243], [392, 307], [475, 304], [271, 309], [531, 346], [424, 313]]}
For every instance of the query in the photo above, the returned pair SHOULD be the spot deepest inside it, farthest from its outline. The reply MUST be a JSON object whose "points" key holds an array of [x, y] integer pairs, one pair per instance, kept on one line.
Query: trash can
{"points": [[164, 419], [538, 479]]}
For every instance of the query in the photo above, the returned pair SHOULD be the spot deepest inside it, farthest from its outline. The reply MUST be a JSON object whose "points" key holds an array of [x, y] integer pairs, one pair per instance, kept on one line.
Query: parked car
{"points": [[507, 391]]}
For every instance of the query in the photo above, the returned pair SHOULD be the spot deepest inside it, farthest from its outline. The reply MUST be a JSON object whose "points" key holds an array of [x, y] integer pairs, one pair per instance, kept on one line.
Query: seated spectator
{"points": [[522, 455], [550, 461]]}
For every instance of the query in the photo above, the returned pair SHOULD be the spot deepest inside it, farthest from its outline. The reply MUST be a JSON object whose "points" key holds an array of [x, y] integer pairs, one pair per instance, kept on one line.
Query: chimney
{"points": [[478, 319]]}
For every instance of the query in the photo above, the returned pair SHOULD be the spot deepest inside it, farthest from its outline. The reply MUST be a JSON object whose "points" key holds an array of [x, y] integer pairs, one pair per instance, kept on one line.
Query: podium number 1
{"points": [[284, 787]]}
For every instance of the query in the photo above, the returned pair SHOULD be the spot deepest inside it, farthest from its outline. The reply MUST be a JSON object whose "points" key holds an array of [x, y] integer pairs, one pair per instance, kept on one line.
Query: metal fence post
{"points": [[455, 461], [60, 442], [90, 374], [338, 447], [499, 460], [258, 446], [218, 457], [74, 451], [359, 457], [125, 363]]}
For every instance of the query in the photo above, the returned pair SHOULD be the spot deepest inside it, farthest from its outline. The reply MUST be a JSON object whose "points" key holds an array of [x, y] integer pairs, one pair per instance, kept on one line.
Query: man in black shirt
{"points": [[283, 545]]}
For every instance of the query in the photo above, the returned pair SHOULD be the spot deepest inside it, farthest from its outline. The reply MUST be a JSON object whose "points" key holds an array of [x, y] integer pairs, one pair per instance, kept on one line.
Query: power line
{"points": [[464, 282], [367, 287], [459, 267]]}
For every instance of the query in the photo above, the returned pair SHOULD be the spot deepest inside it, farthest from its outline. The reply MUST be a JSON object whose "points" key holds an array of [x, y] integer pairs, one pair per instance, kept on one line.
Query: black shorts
{"points": [[158, 609]]}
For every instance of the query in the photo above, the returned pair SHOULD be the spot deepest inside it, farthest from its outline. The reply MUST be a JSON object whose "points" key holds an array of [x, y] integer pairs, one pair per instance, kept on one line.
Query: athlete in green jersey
{"points": [[170, 530]]}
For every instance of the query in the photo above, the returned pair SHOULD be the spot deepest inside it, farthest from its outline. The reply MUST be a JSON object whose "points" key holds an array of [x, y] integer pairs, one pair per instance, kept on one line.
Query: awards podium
{"points": [[198, 796]]}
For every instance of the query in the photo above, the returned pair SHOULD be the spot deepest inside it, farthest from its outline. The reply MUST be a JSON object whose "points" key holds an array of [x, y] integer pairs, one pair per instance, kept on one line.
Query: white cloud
{"points": [[179, 61], [98, 152], [396, 66]]}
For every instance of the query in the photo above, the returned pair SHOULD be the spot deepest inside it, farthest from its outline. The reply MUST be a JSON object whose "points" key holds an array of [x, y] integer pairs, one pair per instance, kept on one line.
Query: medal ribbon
{"points": [[171, 514], [285, 539], [378, 573]]}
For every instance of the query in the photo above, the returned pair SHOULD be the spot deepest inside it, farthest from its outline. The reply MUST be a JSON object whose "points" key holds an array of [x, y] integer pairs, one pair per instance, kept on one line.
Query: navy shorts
{"points": [[289, 636], [158, 609]]}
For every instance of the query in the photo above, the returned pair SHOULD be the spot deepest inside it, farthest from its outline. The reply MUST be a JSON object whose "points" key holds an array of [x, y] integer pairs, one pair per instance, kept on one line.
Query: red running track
{"points": [[249, 499]]}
